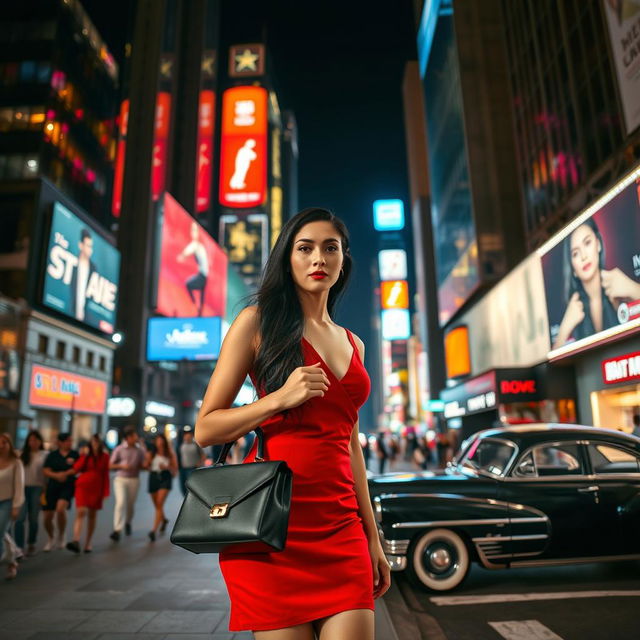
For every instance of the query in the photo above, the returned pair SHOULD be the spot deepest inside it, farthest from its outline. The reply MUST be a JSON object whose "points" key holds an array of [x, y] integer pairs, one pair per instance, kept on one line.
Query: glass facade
{"points": [[452, 215], [58, 86], [566, 112]]}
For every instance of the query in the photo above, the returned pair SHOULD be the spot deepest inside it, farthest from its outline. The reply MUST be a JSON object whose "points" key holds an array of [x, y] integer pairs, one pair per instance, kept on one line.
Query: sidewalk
{"points": [[132, 590]]}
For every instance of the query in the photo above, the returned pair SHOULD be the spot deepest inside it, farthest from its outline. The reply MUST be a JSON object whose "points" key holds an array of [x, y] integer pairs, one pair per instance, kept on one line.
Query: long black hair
{"points": [[573, 283], [26, 450], [279, 310]]}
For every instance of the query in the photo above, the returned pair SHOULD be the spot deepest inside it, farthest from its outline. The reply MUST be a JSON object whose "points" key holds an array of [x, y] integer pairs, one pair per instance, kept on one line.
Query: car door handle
{"points": [[588, 489]]}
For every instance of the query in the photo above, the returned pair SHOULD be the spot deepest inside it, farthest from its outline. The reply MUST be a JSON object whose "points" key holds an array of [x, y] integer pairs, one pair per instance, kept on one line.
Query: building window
{"points": [[89, 358], [43, 343], [61, 347], [103, 363], [76, 355]]}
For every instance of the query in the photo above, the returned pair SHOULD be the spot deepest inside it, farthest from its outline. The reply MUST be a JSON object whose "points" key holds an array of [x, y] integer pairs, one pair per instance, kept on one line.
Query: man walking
{"points": [[191, 457], [128, 459], [59, 491]]}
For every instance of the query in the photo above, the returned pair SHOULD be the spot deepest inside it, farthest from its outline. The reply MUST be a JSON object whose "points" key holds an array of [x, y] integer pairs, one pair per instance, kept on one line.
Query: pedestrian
{"points": [[191, 457], [636, 425], [128, 459], [162, 467], [381, 451], [92, 487], [11, 499], [311, 382], [59, 490], [33, 456]]}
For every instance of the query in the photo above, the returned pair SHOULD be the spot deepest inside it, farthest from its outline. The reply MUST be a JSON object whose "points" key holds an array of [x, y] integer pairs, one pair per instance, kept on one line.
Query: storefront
{"points": [[66, 380], [511, 396], [608, 380]]}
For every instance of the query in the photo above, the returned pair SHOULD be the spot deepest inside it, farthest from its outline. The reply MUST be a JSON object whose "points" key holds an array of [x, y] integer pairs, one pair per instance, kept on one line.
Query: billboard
{"points": [[206, 120], [58, 389], [392, 264], [396, 324], [183, 339], [243, 150], [160, 142], [118, 176], [623, 20], [388, 215], [81, 277], [394, 294], [592, 270], [245, 239], [192, 279]]}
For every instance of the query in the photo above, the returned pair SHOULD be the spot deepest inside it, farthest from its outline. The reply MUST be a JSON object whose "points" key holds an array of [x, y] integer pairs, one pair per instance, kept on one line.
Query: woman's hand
{"points": [[15, 511], [573, 316], [302, 384], [381, 569], [618, 285]]}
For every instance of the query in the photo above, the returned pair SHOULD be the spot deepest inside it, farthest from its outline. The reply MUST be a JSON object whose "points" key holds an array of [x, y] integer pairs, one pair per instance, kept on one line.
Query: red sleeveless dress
{"points": [[325, 567]]}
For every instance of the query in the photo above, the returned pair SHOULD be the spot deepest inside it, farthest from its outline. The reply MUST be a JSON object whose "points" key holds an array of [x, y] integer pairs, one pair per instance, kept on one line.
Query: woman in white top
{"points": [[11, 497], [33, 456], [163, 465]]}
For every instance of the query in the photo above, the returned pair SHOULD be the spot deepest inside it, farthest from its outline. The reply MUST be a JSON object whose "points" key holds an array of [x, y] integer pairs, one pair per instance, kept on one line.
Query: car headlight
{"points": [[377, 509]]}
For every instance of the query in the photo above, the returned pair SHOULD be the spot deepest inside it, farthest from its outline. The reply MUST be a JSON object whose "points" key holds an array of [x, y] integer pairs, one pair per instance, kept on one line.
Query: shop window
{"points": [[14, 166], [90, 358], [30, 166], [11, 73], [6, 116], [43, 72], [61, 347], [27, 71], [76, 355], [43, 343], [606, 459], [558, 460]]}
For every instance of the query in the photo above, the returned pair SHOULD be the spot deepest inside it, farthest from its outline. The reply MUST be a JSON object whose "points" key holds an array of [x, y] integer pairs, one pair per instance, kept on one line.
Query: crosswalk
{"points": [[524, 630]]}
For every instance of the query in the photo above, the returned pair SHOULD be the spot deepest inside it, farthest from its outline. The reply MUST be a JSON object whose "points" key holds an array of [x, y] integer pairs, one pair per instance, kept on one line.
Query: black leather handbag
{"points": [[241, 508]]}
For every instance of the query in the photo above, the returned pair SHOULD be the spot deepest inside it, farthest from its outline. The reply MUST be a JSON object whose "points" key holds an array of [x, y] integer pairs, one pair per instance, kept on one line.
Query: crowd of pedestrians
{"points": [[35, 479]]}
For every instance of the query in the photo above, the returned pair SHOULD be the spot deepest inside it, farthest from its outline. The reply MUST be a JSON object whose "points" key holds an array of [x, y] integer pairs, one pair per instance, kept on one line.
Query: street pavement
{"points": [[131, 590]]}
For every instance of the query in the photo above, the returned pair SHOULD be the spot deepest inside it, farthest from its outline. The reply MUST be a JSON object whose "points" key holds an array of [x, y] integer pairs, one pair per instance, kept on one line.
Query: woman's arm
{"points": [[217, 423]]}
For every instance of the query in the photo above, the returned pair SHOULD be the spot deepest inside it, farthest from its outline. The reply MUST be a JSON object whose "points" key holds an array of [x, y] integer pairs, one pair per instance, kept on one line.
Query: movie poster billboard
{"points": [[81, 276], [192, 279], [592, 271], [245, 239], [183, 339], [623, 21]]}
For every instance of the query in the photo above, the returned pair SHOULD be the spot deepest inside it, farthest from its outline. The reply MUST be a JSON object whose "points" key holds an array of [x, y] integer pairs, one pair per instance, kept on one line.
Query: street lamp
{"points": [[117, 337]]}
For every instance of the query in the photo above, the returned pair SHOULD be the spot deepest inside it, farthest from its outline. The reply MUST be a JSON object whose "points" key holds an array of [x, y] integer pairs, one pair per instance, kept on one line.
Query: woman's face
{"points": [[316, 256], [585, 253], [4, 447], [34, 443]]}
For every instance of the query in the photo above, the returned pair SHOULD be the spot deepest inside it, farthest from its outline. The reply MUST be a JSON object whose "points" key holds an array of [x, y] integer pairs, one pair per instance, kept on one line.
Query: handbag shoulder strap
{"points": [[227, 447]]}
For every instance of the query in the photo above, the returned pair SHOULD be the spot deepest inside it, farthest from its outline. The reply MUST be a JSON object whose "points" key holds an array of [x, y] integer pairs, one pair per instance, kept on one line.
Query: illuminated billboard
{"points": [[245, 241], [243, 150], [118, 176], [396, 324], [388, 215], [81, 276], [192, 279], [183, 339], [392, 264], [160, 142], [592, 270], [206, 120], [394, 294]]}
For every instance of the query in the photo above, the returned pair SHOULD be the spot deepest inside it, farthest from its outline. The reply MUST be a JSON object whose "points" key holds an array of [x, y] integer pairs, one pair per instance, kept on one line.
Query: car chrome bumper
{"points": [[395, 552]]}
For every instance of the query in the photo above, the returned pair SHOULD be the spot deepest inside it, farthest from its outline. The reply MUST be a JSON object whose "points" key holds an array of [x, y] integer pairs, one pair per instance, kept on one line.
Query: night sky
{"points": [[338, 66]]}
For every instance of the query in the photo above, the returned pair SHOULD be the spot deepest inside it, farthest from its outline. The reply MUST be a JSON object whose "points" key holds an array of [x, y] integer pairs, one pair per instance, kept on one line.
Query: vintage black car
{"points": [[518, 496]]}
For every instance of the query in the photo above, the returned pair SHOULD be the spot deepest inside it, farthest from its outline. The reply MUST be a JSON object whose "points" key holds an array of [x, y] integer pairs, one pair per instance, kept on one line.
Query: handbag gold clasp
{"points": [[219, 510]]}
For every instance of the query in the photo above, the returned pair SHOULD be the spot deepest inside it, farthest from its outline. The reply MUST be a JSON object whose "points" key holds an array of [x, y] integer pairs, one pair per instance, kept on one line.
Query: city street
{"points": [[132, 589], [586, 602]]}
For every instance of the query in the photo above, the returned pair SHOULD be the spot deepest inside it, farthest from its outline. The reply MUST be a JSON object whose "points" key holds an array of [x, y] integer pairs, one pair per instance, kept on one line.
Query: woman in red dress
{"points": [[311, 381], [92, 487]]}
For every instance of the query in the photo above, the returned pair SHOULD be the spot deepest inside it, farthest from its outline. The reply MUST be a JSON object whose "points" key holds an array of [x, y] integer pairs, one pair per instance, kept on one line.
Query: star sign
{"points": [[246, 60]]}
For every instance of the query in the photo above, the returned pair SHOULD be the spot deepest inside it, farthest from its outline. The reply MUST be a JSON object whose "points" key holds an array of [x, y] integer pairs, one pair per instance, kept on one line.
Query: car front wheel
{"points": [[439, 560]]}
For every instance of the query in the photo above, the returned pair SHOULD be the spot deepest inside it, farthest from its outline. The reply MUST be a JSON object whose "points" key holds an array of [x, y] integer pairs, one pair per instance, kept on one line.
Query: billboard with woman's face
{"points": [[193, 268], [592, 276]]}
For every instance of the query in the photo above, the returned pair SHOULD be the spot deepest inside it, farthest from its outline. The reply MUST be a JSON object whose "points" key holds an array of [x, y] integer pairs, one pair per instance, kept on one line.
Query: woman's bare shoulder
{"points": [[246, 327], [359, 344]]}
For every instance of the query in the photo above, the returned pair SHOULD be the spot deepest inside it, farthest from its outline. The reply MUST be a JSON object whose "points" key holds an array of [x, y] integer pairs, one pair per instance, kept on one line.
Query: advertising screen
{"points": [[396, 324], [388, 215], [206, 120], [245, 241], [392, 264], [58, 389], [183, 338], [592, 271], [394, 294], [81, 276], [243, 150], [193, 268]]}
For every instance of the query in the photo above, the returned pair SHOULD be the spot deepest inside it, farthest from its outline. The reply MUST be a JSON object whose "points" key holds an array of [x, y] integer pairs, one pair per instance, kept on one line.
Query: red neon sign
{"points": [[204, 158], [160, 141], [243, 152], [118, 178], [515, 387], [621, 369]]}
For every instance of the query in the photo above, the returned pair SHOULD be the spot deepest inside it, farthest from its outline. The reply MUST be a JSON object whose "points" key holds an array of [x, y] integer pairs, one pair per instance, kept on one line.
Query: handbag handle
{"points": [[227, 447]]}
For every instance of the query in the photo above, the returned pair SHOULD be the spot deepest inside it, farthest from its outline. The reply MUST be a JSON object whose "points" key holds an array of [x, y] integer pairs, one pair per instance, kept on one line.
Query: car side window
{"points": [[606, 459], [558, 460], [526, 467]]}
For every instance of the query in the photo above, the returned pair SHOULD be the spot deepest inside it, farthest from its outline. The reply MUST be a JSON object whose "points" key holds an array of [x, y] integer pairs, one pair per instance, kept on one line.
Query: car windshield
{"points": [[487, 457]]}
